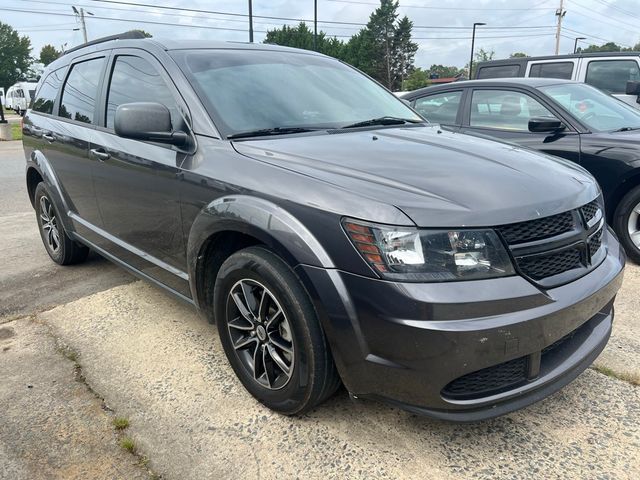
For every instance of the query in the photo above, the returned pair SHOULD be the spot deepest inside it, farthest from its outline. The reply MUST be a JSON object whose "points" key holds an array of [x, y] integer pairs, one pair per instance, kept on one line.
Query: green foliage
{"points": [[442, 71], [609, 47], [144, 32], [417, 79], [483, 55], [382, 49], [120, 423], [518, 55], [48, 54], [16, 131], [15, 56]]}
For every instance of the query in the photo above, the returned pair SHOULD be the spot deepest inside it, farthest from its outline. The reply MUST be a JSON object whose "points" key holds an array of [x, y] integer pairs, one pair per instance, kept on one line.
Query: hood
{"points": [[437, 178]]}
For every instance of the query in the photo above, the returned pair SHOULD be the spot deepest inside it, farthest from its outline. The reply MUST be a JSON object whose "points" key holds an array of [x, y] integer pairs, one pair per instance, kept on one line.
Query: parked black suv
{"points": [[331, 233]]}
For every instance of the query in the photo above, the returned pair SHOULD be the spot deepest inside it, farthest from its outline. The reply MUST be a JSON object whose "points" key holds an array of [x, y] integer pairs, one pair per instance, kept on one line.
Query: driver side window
{"points": [[504, 110], [133, 79]]}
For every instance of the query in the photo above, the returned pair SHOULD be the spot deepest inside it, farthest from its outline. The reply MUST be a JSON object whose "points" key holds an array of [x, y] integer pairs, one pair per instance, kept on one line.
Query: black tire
{"points": [[60, 247], [622, 219], [313, 376]]}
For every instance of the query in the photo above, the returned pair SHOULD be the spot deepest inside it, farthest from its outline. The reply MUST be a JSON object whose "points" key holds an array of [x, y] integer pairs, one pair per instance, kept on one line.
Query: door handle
{"points": [[48, 137], [100, 154]]}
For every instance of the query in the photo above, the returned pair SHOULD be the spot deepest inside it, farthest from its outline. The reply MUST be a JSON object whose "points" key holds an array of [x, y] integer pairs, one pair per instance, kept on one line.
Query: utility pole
{"points": [[473, 44], [83, 23], [250, 22], [315, 25], [560, 13]]}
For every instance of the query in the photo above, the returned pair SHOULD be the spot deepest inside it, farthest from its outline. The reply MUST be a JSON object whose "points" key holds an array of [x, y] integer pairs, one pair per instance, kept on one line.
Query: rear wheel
{"points": [[59, 246], [627, 223], [271, 333]]}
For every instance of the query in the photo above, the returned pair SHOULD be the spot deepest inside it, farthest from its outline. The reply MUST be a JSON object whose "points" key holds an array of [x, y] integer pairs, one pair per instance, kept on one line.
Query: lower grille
{"points": [[543, 266], [488, 381]]}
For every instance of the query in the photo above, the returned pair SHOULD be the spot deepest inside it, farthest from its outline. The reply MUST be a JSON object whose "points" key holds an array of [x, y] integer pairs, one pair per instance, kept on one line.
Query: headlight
{"points": [[417, 255]]}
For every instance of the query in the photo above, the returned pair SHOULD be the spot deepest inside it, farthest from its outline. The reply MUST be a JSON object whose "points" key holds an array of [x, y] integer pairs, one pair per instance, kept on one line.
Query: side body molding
{"points": [[260, 218]]}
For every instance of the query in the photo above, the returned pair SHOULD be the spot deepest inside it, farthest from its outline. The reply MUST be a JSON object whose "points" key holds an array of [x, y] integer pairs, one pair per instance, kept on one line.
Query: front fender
{"points": [[259, 218]]}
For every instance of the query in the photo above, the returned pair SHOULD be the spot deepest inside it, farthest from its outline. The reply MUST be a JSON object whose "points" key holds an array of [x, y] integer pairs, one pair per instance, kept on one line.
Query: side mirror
{"points": [[545, 125], [147, 121], [633, 88]]}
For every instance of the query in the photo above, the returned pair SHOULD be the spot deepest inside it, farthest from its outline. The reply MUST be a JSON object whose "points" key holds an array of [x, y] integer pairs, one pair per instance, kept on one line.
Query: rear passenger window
{"points": [[499, 71], [48, 92], [80, 91], [504, 110], [135, 80], [552, 70], [440, 108], [612, 75]]}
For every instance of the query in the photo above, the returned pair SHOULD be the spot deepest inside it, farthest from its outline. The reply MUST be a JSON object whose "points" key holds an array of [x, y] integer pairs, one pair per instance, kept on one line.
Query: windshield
{"points": [[597, 110], [247, 90]]}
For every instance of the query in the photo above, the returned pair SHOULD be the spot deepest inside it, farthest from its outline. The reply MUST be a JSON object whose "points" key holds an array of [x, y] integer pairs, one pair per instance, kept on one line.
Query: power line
{"points": [[441, 8]]}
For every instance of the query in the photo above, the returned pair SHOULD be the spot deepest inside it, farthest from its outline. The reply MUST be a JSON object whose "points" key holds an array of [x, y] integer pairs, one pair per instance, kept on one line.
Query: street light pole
{"points": [[250, 22], [315, 25], [575, 45], [473, 41]]}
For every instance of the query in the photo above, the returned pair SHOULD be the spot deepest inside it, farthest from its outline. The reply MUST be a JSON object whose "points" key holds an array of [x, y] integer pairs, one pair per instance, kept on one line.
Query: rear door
{"points": [[137, 182], [504, 113], [611, 74]]}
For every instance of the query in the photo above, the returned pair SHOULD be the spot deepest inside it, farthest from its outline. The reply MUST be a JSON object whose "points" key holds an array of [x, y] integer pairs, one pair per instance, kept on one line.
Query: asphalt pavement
{"points": [[146, 357]]}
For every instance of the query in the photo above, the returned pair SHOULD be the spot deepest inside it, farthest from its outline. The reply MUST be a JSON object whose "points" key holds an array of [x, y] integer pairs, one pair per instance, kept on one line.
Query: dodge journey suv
{"points": [[332, 234]]}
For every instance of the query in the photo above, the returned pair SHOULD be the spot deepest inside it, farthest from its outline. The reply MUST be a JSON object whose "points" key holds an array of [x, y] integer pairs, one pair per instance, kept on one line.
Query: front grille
{"points": [[488, 381], [547, 247], [558, 343], [538, 229], [543, 266], [590, 210], [595, 242]]}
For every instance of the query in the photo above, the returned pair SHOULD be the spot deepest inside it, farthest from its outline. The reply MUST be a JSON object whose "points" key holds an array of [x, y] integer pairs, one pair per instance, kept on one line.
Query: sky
{"points": [[441, 27]]}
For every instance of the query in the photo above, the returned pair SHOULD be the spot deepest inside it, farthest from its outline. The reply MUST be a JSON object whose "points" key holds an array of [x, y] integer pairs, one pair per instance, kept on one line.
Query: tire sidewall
{"points": [[621, 221], [43, 191], [245, 265]]}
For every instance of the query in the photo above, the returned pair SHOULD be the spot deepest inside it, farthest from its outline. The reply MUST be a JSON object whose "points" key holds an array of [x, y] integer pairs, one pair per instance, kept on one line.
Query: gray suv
{"points": [[332, 234]]}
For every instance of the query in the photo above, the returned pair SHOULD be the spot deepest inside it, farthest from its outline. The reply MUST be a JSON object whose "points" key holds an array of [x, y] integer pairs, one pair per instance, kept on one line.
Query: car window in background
{"points": [[552, 70], [440, 108], [80, 91], [597, 110], [269, 89], [499, 71], [48, 92], [134, 79], [612, 75], [505, 110]]}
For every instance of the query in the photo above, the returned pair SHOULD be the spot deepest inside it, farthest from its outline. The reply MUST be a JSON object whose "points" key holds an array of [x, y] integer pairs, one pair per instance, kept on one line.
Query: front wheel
{"points": [[271, 334], [626, 223], [62, 249]]}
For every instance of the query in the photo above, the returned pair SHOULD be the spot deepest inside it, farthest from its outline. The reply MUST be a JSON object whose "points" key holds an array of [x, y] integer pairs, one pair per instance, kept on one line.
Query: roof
{"points": [[494, 82], [519, 60]]}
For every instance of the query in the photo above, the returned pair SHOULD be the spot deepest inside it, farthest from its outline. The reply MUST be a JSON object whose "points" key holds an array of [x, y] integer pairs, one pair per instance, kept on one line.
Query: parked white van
{"points": [[616, 73], [19, 96]]}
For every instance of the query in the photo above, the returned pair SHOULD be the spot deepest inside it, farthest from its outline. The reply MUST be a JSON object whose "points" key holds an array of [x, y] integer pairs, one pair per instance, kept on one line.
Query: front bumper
{"points": [[405, 343]]}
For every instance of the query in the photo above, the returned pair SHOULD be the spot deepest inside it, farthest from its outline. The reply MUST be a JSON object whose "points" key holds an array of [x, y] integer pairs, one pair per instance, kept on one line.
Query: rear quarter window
{"points": [[499, 71], [612, 75], [562, 70], [48, 92]]}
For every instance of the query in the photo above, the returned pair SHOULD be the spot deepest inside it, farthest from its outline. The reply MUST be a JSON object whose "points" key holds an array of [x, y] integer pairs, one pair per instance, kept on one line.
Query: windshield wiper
{"points": [[382, 121], [265, 132], [627, 129]]}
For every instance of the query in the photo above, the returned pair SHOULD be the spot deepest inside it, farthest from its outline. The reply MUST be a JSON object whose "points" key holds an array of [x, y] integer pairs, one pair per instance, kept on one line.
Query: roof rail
{"points": [[130, 35]]}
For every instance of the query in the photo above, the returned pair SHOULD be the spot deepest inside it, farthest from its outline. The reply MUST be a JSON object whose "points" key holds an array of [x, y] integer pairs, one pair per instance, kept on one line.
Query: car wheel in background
{"points": [[59, 246], [271, 333], [626, 223]]}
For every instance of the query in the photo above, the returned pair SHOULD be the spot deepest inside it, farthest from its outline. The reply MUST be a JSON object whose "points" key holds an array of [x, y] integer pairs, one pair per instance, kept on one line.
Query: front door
{"points": [[136, 182], [504, 114]]}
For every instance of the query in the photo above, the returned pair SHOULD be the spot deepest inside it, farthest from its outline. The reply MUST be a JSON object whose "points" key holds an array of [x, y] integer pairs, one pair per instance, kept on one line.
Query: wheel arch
{"points": [[238, 221], [629, 183]]}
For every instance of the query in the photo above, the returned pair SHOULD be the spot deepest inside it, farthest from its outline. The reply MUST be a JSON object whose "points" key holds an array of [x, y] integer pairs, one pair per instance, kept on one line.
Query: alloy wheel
{"points": [[633, 225], [260, 333], [49, 224]]}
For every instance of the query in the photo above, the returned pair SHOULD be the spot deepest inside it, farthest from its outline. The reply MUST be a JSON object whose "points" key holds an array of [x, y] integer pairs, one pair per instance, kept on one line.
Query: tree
{"points": [[48, 54], [15, 56], [607, 47], [442, 71], [417, 79], [144, 32], [518, 55], [302, 37], [481, 55]]}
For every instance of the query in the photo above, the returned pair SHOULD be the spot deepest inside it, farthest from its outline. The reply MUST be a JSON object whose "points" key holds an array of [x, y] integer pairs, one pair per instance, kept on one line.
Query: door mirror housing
{"points": [[545, 125], [147, 121], [633, 88]]}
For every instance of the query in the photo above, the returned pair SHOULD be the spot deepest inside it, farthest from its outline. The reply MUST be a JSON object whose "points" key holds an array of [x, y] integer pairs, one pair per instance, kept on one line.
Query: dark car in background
{"points": [[329, 231], [559, 117]]}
